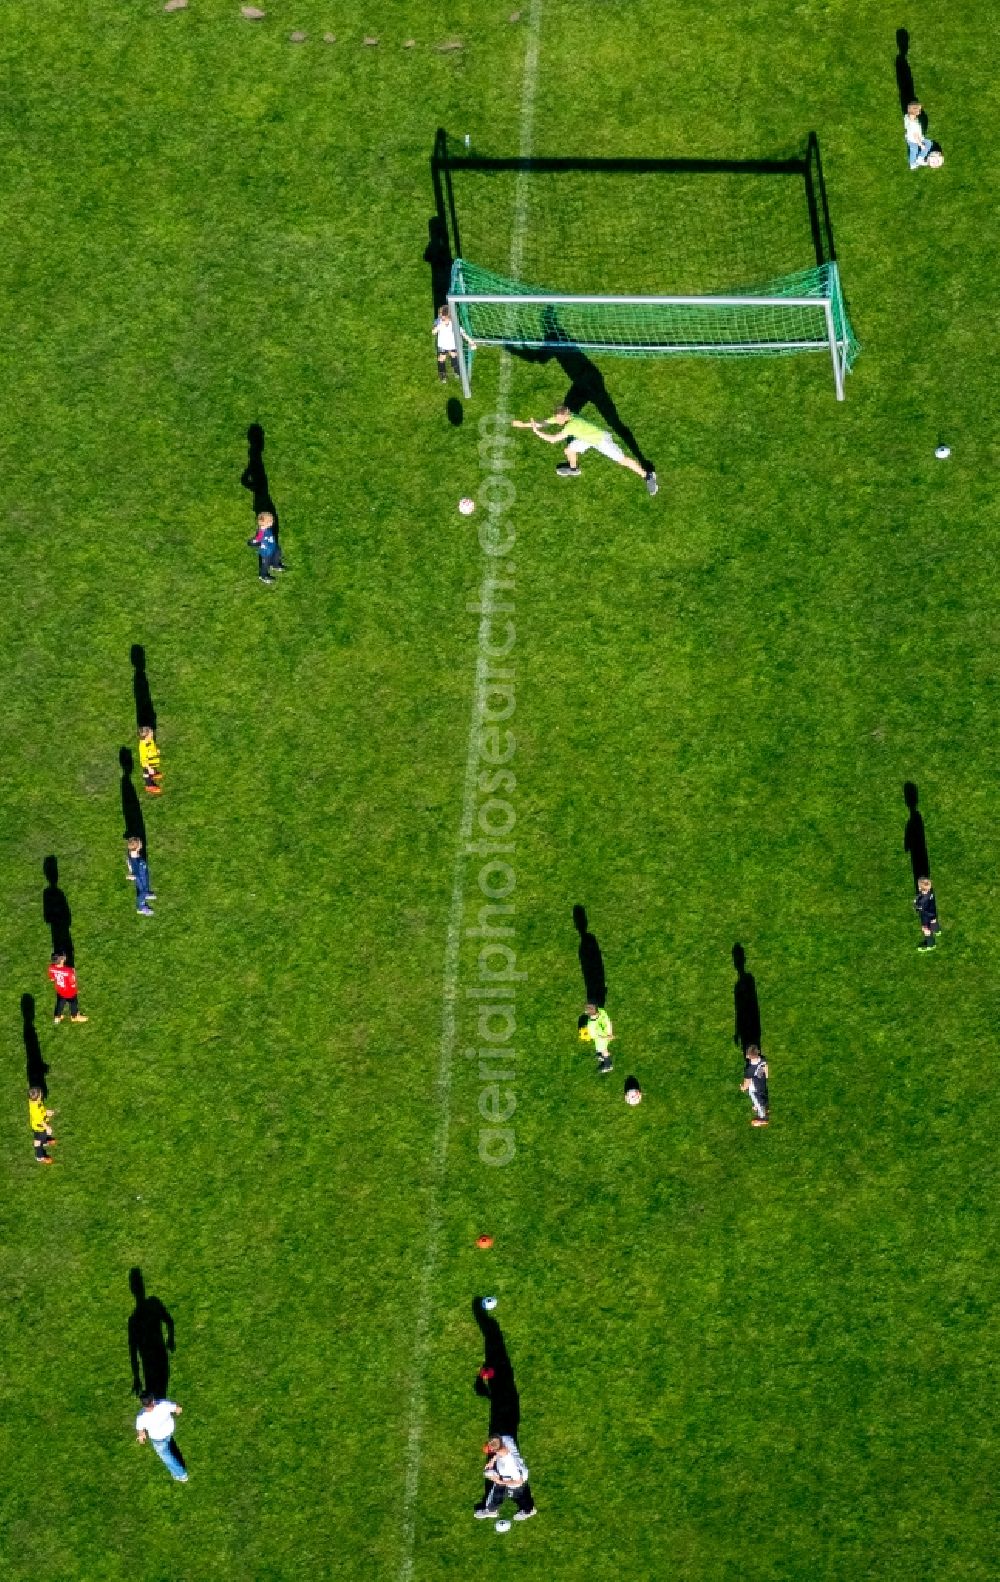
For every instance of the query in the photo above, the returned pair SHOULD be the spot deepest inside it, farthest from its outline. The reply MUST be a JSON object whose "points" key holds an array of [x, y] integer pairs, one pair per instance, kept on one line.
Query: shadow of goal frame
{"points": [[801, 311]]}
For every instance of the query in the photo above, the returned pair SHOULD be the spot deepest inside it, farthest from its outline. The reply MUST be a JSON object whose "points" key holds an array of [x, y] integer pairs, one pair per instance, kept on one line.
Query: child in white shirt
{"points": [[506, 1478], [918, 146], [447, 347]]}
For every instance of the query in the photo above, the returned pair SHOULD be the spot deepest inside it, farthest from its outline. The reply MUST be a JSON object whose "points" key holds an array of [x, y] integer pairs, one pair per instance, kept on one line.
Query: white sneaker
{"points": [[525, 1516]]}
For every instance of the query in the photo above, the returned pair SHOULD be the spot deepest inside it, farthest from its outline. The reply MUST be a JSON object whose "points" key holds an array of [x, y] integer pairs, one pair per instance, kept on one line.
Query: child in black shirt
{"points": [[926, 909], [755, 1083]]}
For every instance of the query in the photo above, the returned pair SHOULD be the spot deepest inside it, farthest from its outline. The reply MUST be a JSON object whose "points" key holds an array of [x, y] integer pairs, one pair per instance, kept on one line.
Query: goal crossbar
{"points": [[543, 299]]}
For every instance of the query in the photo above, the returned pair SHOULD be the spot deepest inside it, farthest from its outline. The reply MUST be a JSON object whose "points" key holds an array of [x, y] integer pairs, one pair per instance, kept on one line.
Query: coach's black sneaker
{"points": [[651, 484], [605, 1064], [566, 471], [267, 581]]}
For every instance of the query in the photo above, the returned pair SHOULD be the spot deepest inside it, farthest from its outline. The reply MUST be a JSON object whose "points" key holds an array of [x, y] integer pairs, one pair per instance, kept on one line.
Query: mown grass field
{"points": [[755, 1355]]}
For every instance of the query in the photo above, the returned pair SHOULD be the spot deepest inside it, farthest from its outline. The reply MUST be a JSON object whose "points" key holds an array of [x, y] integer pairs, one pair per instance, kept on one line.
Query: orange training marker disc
{"points": [[484, 1241]]}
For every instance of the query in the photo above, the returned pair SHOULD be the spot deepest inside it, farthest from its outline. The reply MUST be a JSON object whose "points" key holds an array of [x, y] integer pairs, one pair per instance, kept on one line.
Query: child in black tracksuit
{"points": [[755, 1083], [926, 909]]}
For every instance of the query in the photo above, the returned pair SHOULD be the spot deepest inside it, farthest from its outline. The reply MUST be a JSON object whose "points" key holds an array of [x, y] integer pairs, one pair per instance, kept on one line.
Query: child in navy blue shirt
{"points": [[265, 542], [138, 870], [926, 908]]}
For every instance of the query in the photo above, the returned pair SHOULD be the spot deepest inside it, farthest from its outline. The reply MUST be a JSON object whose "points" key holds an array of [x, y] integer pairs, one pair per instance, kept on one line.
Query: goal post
{"points": [[795, 313]]}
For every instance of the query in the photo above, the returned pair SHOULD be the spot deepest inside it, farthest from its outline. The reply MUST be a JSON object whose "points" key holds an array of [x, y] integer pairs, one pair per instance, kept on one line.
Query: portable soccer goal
{"points": [[785, 316], [689, 255]]}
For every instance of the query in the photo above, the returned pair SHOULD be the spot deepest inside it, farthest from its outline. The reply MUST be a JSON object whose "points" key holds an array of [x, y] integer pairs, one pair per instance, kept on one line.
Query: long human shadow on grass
{"points": [[438, 255], [36, 1068], [150, 1340], [905, 85], [254, 478], [56, 912], [135, 824], [904, 76], [915, 837], [495, 1379], [591, 960], [145, 713], [745, 1003]]}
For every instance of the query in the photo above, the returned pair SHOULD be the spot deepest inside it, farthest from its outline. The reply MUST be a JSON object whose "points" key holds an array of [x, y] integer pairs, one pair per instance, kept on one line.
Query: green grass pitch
{"points": [[755, 1355]]}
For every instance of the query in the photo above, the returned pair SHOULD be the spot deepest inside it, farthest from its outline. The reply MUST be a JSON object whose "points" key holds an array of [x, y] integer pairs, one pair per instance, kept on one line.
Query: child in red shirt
{"points": [[64, 979]]}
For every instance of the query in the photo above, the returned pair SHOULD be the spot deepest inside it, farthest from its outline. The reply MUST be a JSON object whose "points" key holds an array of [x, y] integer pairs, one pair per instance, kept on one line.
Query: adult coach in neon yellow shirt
{"points": [[578, 436]]}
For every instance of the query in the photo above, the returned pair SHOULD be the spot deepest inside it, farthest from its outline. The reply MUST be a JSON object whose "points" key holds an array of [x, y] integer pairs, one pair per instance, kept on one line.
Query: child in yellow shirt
{"points": [[149, 761], [38, 1120], [595, 1025]]}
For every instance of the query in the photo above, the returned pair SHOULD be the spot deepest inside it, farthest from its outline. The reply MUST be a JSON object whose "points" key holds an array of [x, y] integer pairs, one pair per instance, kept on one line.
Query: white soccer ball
{"points": [[943, 452], [633, 1096], [935, 159], [489, 1303], [466, 506], [502, 1527]]}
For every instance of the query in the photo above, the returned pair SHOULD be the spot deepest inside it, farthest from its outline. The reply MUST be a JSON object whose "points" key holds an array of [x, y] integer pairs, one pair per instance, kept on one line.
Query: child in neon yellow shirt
{"points": [[598, 1029], [149, 761], [38, 1120]]}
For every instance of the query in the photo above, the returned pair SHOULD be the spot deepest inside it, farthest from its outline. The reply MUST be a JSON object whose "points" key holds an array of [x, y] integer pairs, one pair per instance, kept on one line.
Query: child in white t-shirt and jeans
{"points": [[918, 144]]}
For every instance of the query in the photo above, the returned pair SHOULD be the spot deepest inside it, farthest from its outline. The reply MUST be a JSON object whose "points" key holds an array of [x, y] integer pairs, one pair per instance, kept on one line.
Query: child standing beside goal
{"points": [[447, 346]]}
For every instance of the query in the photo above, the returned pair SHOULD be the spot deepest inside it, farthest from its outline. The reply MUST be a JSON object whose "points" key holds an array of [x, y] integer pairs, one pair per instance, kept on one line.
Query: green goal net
{"points": [[790, 314]]}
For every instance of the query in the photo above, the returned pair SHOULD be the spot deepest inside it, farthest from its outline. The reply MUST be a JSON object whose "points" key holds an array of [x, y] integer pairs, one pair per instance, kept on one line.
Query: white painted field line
{"points": [[456, 910]]}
